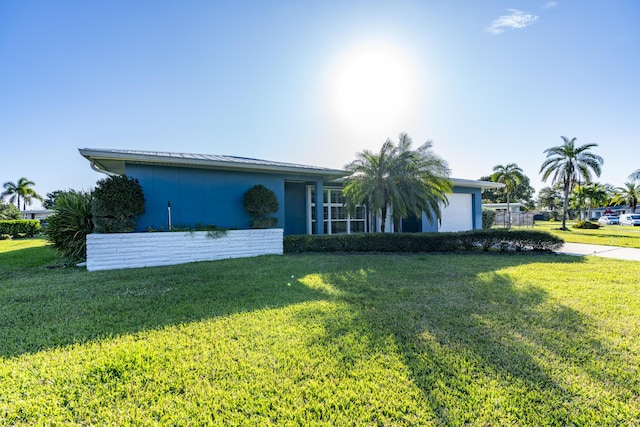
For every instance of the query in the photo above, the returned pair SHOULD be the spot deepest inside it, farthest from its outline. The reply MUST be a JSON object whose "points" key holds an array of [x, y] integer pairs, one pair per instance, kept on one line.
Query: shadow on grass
{"points": [[482, 348], [43, 308], [26, 261]]}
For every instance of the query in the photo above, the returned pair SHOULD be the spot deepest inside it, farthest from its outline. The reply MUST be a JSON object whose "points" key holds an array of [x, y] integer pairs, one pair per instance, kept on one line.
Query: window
{"points": [[336, 218]]}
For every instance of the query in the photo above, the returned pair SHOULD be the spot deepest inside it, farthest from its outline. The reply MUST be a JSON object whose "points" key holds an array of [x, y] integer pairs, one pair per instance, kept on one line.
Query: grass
{"points": [[321, 340], [608, 235]]}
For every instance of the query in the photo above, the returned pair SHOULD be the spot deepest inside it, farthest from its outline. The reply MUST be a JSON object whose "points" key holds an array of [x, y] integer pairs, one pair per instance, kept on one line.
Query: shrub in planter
{"points": [[68, 227], [259, 201], [117, 201]]}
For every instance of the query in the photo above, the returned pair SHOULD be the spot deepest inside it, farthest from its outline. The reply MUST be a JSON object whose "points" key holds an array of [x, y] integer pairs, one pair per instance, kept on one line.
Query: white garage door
{"points": [[457, 215]]}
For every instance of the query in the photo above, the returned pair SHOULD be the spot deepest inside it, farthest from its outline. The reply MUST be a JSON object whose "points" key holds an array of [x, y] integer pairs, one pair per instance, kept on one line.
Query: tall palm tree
{"points": [[407, 181], [511, 176], [568, 164], [629, 194], [635, 176], [23, 189]]}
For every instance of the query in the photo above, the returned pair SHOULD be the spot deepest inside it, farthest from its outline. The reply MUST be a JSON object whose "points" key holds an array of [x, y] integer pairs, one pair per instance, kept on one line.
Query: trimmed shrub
{"points": [[117, 202], [20, 227], [259, 201], [488, 218], [68, 227], [586, 225], [501, 239]]}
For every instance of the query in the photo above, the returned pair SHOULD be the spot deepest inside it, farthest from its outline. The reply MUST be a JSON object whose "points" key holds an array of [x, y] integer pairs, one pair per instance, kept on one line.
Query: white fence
{"points": [[133, 250]]}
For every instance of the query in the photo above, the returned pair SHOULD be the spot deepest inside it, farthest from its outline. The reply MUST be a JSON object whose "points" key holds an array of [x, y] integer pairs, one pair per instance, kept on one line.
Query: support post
{"points": [[319, 207]]}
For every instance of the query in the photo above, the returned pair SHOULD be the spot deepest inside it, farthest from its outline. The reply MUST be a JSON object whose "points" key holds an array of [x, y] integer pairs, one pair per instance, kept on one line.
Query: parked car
{"points": [[630, 219], [608, 220]]}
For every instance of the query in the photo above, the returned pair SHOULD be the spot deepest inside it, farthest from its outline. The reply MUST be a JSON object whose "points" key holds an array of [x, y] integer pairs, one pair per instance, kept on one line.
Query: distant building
{"points": [[36, 213]]}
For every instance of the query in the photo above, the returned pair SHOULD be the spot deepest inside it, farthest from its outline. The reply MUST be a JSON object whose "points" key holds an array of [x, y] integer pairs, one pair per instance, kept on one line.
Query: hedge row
{"points": [[501, 239], [19, 227]]}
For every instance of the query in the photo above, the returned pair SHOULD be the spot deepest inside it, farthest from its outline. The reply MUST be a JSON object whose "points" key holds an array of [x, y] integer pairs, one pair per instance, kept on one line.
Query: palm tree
{"points": [[23, 189], [567, 164], [589, 196], [635, 176], [407, 181], [511, 176], [629, 194]]}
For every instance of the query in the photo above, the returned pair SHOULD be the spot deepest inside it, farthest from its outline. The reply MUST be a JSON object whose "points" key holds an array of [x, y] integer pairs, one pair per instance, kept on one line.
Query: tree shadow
{"points": [[42, 308], [483, 348], [475, 341]]}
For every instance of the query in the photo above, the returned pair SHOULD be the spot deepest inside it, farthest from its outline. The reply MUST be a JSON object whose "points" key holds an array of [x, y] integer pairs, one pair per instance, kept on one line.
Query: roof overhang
{"points": [[114, 161], [476, 184]]}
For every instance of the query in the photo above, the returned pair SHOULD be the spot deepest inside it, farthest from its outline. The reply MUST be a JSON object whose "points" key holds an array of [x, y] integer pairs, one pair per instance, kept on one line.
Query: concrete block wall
{"points": [[134, 250]]}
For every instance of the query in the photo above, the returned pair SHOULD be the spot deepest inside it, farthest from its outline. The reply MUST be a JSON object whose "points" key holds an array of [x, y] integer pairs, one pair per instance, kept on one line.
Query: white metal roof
{"points": [[113, 160]]}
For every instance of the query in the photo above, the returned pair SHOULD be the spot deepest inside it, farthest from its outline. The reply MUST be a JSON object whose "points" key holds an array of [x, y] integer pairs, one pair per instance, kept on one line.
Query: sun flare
{"points": [[372, 87]]}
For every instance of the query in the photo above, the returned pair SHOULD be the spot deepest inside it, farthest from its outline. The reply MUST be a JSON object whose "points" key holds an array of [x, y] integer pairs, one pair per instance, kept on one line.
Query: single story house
{"points": [[502, 207], [596, 213], [40, 214], [208, 189]]}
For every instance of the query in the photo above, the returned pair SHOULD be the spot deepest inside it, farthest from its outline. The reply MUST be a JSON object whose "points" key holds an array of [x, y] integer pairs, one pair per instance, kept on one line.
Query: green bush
{"points": [[259, 201], [586, 225], [501, 239], [488, 218], [117, 202], [8, 211], [20, 227], [68, 227]]}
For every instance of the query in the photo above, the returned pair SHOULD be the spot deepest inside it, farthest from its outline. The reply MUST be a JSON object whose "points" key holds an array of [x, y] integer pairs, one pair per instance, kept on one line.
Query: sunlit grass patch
{"points": [[608, 235], [244, 368]]}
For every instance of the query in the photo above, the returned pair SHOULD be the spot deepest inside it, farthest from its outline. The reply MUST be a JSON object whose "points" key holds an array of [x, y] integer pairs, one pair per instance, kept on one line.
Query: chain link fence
{"points": [[518, 219]]}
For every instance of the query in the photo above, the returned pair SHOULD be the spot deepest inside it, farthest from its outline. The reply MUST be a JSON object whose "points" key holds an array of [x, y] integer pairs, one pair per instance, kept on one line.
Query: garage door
{"points": [[457, 215]]}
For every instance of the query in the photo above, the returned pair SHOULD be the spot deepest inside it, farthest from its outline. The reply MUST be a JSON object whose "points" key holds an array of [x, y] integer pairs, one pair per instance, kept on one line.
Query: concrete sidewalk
{"points": [[581, 249]]}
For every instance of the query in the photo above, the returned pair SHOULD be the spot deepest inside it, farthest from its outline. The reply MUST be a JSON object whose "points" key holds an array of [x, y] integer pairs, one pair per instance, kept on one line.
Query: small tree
{"points": [[117, 201], [488, 218], [511, 176], [259, 202]]}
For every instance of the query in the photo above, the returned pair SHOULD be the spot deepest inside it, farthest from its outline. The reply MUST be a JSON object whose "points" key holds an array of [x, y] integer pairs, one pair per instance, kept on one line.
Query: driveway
{"points": [[581, 249]]}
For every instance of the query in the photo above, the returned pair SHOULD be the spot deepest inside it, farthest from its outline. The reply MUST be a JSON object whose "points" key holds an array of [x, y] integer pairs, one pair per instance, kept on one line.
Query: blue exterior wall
{"points": [[295, 213], [476, 209], [200, 196], [214, 197]]}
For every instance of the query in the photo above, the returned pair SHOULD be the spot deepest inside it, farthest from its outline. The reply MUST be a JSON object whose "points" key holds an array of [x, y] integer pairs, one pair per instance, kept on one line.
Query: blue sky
{"points": [[491, 82]]}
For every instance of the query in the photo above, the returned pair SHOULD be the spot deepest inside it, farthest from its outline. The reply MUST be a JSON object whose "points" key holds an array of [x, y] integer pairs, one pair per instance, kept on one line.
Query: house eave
{"points": [[114, 161], [471, 183]]}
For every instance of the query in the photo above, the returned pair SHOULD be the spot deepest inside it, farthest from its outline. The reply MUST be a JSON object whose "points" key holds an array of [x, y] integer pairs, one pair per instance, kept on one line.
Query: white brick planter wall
{"points": [[132, 250]]}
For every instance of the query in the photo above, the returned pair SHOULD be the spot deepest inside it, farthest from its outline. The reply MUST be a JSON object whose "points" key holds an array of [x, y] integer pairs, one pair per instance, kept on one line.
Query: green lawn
{"points": [[609, 235], [422, 339]]}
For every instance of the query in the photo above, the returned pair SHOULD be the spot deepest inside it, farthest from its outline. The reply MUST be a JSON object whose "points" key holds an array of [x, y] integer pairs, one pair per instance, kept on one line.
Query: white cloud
{"points": [[516, 19], [550, 4]]}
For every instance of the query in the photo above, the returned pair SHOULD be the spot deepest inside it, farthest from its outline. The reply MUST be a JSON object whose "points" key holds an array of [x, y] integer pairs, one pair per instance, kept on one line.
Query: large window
{"points": [[336, 218]]}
